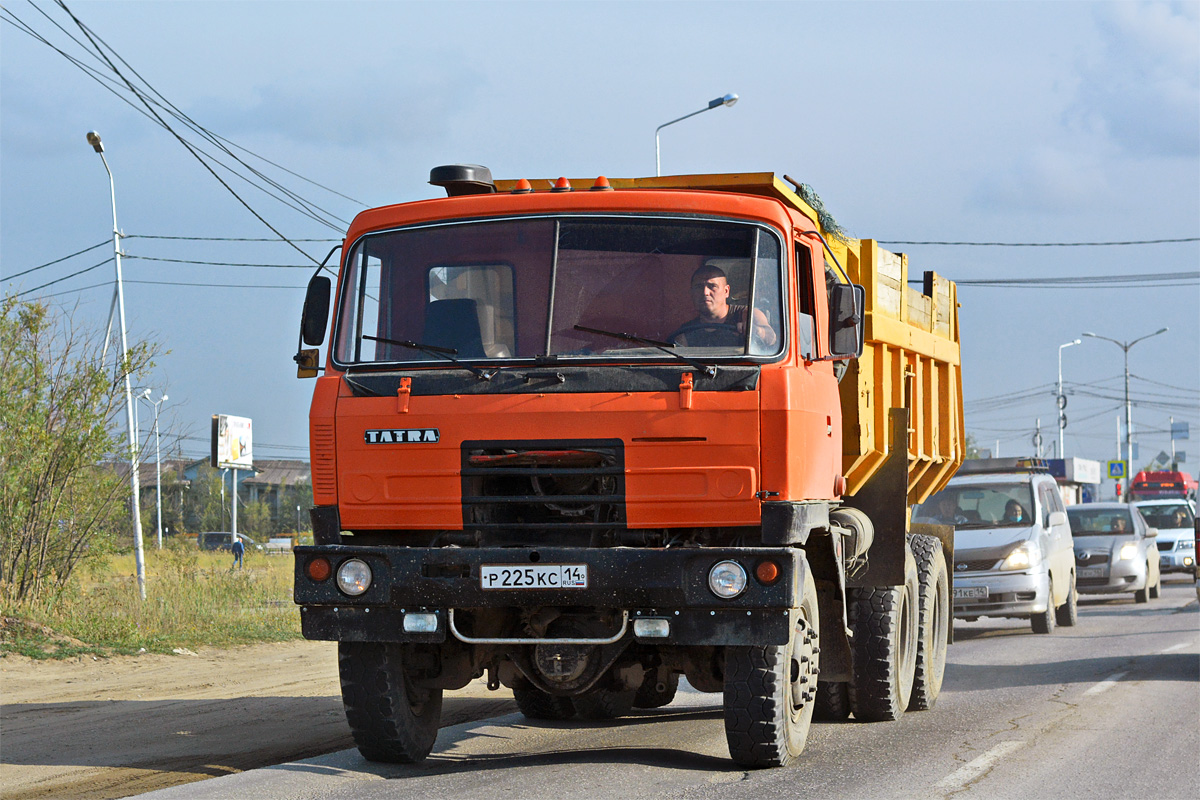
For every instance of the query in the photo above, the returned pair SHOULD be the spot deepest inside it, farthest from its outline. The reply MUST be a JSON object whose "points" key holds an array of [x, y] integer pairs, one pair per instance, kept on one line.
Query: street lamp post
{"points": [[157, 460], [93, 139], [1125, 346], [1062, 400], [727, 100]]}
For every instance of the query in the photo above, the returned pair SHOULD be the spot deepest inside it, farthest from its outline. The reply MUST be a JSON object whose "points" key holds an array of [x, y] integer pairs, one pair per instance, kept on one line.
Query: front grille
{"points": [[975, 565], [1165, 546], [529, 492], [1092, 558]]}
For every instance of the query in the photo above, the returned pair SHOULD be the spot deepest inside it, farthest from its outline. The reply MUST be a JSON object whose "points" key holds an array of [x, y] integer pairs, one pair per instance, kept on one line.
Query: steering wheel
{"points": [[699, 333]]}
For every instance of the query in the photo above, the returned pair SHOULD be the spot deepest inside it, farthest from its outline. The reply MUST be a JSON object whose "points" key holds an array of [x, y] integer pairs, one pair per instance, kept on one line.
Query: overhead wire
{"points": [[55, 261]]}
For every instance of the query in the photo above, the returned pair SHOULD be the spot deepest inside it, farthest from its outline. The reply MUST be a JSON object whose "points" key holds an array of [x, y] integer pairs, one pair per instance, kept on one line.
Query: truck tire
{"points": [[884, 621], [536, 704], [1044, 622], [770, 691], [391, 720], [832, 703], [933, 621], [1067, 615], [656, 693], [604, 703]]}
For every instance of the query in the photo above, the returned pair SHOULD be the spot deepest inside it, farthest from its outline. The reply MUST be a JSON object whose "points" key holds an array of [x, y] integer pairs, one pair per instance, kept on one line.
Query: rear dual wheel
{"points": [[885, 624], [933, 621]]}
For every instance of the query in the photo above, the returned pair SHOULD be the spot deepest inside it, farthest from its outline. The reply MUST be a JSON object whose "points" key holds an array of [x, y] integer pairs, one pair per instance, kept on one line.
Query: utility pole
{"points": [[139, 556], [1062, 400], [1125, 346]]}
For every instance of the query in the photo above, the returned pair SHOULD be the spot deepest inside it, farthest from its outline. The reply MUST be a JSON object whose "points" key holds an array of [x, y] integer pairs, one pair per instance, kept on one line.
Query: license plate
{"points": [[534, 576], [1091, 572], [970, 592]]}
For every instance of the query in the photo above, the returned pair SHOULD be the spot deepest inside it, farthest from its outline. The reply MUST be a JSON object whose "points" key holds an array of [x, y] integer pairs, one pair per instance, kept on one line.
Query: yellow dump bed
{"points": [[911, 353]]}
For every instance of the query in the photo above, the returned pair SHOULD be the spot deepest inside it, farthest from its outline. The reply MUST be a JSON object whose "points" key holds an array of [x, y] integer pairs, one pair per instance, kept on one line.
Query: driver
{"points": [[710, 296]]}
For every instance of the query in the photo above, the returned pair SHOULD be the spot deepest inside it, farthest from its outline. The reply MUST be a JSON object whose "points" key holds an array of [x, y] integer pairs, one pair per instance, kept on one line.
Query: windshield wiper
{"points": [[707, 369], [447, 353]]}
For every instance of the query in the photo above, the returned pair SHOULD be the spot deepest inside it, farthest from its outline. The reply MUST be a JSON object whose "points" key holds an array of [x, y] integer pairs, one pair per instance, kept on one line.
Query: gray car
{"points": [[1114, 551]]}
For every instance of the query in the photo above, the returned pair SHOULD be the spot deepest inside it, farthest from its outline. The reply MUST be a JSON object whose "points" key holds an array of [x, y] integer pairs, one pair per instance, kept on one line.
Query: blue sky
{"points": [[1015, 122]]}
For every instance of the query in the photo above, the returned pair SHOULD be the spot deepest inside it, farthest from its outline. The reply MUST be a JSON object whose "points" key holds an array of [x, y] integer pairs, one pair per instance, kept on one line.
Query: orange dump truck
{"points": [[589, 437]]}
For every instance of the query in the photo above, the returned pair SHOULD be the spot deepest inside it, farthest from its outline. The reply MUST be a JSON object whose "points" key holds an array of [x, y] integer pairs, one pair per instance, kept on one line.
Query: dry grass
{"points": [[193, 599]]}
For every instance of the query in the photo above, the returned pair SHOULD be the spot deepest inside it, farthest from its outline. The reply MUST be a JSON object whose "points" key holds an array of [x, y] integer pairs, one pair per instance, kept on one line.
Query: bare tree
{"points": [[60, 497]]}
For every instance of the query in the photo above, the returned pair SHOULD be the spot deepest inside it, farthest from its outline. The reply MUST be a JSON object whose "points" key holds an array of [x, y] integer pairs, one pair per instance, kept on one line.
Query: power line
{"points": [[56, 261], [1045, 244], [65, 277], [219, 263], [217, 239], [1151, 280]]}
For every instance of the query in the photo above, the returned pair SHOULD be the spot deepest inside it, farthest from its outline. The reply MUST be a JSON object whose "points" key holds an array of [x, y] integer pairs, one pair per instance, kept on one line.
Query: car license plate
{"points": [[1091, 572], [535, 576], [970, 592]]}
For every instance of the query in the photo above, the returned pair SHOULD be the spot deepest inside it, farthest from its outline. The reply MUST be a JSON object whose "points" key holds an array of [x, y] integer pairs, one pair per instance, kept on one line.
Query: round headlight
{"points": [[727, 579], [354, 577]]}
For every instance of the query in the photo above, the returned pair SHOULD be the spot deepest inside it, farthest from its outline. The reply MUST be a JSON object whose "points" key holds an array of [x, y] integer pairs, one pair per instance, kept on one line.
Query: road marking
{"points": [[1106, 684], [973, 769], [1174, 647]]}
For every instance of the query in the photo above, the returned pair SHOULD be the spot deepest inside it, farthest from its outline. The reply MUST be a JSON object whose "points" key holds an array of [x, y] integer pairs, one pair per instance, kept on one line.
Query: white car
{"points": [[1176, 523]]}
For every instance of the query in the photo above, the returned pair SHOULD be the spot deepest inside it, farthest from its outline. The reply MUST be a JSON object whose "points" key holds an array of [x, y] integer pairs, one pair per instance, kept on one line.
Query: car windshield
{"points": [[561, 289], [993, 505], [1168, 515], [1100, 521]]}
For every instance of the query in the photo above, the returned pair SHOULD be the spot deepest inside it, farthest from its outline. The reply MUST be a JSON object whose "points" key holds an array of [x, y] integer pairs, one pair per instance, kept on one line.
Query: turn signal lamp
{"points": [[767, 572], [319, 569], [562, 185]]}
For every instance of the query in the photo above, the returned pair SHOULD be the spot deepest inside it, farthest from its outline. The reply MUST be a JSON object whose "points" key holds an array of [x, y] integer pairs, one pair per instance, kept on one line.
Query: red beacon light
{"points": [[523, 187], [562, 185], [601, 185]]}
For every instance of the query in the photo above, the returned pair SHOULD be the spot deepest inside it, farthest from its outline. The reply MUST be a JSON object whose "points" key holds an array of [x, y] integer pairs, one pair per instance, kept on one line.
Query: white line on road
{"points": [[1106, 684], [1174, 647], [973, 769]]}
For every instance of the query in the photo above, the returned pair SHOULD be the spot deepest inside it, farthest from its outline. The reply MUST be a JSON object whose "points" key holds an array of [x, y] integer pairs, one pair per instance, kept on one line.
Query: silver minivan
{"points": [[1013, 551]]}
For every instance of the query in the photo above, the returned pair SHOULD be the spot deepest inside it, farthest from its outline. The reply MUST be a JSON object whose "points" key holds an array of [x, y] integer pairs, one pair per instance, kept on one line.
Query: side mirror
{"points": [[315, 317], [1058, 518], [1151, 533], [846, 329]]}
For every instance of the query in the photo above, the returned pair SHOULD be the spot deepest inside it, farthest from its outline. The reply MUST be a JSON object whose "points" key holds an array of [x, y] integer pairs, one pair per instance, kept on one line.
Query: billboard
{"points": [[231, 442]]}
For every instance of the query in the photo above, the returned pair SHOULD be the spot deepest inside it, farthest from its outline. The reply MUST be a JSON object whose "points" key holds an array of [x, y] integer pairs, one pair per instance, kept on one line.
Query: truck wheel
{"points": [[391, 719], [832, 703], [884, 621], [1067, 614], [770, 691], [604, 703], [933, 622], [1044, 622], [536, 704], [656, 692]]}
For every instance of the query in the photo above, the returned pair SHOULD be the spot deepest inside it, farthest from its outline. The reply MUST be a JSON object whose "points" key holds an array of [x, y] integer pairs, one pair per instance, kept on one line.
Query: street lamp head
{"points": [[1077, 341], [164, 399], [727, 100], [1089, 333], [94, 140], [145, 393]]}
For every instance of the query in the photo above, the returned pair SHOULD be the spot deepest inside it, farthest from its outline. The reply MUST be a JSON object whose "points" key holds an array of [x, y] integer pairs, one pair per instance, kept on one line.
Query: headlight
{"points": [[1185, 544], [727, 579], [1128, 552], [1024, 557], [354, 577]]}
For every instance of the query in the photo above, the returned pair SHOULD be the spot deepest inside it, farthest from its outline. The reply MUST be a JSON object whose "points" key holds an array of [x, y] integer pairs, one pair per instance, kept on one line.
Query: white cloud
{"points": [[1143, 92], [1046, 179]]}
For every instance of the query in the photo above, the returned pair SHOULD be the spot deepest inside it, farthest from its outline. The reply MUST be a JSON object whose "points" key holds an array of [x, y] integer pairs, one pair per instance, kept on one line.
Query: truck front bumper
{"points": [[639, 583]]}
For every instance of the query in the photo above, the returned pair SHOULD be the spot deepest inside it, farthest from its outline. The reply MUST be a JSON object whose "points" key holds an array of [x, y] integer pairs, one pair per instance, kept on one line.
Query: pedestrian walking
{"points": [[239, 550]]}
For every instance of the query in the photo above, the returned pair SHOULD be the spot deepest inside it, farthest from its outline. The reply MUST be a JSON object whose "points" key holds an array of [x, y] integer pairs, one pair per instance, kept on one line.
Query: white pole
{"points": [[134, 478], [234, 493]]}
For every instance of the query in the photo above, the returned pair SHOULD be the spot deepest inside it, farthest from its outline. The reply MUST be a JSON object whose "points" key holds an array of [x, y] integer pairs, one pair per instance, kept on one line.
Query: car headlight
{"points": [[1024, 557], [354, 577], [1185, 544], [727, 579], [1128, 552]]}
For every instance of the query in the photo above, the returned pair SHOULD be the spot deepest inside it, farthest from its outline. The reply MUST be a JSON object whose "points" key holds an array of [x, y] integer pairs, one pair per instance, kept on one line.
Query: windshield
{"points": [[1100, 521], [1165, 516], [524, 289], [993, 506]]}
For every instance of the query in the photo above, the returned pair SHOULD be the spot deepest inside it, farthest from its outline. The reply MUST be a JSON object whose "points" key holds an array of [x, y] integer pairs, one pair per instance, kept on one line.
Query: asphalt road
{"points": [[1108, 709]]}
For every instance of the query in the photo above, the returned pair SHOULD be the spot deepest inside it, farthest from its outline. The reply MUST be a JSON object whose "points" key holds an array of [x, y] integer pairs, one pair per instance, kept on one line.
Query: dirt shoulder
{"points": [[112, 727]]}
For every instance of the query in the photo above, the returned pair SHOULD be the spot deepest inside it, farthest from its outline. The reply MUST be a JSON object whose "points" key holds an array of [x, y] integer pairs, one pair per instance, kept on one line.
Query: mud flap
{"points": [[884, 498]]}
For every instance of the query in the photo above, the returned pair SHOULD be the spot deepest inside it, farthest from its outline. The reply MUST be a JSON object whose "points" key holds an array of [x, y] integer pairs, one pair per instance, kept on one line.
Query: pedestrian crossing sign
{"points": [[1116, 469]]}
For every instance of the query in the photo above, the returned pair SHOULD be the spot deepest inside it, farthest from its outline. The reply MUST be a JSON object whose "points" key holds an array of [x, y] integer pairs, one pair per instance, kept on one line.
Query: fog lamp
{"points": [[727, 579], [354, 577], [420, 623], [651, 628]]}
